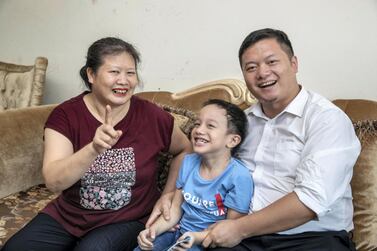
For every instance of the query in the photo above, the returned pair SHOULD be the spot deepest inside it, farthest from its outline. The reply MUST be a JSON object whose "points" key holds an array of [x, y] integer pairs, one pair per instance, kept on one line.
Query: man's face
{"points": [[270, 75]]}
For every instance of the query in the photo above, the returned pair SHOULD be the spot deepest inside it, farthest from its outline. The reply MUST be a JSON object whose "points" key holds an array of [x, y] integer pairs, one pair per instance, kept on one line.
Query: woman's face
{"points": [[115, 80]]}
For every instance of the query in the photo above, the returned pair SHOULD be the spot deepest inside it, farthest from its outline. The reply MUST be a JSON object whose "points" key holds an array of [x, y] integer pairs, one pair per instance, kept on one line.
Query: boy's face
{"points": [[210, 134]]}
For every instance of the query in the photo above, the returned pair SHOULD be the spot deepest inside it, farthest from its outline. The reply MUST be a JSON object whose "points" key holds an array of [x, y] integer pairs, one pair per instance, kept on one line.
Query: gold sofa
{"points": [[22, 195], [22, 85]]}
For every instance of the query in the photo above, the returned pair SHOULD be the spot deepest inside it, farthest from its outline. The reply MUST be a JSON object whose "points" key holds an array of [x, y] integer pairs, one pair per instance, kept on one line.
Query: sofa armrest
{"points": [[21, 147]]}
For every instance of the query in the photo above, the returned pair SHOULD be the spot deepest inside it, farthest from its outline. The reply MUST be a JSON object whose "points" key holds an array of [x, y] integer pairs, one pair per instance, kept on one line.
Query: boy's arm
{"points": [[233, 214], [162, 225]]}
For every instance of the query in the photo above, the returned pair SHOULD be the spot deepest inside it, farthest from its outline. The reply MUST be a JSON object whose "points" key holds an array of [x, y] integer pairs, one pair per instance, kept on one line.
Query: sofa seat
{"points": [[19, 208]]}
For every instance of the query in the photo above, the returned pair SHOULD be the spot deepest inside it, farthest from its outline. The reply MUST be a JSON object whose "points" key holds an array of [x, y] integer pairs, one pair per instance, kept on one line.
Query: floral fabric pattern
{"points": [[107, 184]]}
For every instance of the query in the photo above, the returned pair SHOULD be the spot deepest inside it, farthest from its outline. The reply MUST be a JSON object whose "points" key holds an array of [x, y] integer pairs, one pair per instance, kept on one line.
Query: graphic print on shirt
{"points": [[214, 207], [107, 184]]}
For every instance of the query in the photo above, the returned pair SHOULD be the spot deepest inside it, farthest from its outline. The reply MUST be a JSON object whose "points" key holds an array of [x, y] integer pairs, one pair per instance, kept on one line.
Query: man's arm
{"points": [[285, 213]]}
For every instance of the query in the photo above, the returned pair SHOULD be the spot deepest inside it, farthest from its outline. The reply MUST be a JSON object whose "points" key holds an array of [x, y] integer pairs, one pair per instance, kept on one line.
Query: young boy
{"points": [[212, 185]]}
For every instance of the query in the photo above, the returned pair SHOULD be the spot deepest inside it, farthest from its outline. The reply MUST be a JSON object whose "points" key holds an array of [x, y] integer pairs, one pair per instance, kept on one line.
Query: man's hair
{"points": [[237, 121], [266, 33]]}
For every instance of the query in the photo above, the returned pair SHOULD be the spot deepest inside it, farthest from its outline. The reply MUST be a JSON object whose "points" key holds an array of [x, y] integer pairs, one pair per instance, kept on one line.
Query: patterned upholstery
{"points": [[21, 85]]}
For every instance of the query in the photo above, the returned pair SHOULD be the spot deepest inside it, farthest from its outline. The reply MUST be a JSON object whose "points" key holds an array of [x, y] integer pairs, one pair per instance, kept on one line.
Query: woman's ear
{"points": [[234, 140], [91, 75]]}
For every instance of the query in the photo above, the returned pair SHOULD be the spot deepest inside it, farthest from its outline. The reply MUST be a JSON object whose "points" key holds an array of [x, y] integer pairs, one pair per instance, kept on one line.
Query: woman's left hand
{"points": [[162, 207]]}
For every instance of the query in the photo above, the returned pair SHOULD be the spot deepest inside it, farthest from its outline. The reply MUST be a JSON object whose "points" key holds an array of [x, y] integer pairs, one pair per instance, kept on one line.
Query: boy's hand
{"points": [[188, 239], [146, 238]]}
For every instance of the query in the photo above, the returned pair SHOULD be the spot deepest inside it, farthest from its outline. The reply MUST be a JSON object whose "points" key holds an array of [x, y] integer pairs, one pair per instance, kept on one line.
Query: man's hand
{"points": [[223, 234], [106, 136], [162, 207]]}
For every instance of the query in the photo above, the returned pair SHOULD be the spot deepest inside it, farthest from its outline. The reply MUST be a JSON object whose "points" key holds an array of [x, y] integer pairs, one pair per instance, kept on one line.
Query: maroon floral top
{"points": [[121, 184]]}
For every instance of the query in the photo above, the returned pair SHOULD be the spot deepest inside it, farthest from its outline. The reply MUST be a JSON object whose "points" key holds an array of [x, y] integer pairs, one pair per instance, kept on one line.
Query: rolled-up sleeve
{"points": [[326, 166]]}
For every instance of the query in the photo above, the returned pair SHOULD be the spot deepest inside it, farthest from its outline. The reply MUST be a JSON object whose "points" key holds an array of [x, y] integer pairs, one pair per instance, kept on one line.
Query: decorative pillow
{"points": [[364, 187], [16, 89], [185, 119]]}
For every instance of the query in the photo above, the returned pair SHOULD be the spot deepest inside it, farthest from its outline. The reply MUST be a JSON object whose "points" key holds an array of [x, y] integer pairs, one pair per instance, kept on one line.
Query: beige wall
{"points": [[184, 43]]}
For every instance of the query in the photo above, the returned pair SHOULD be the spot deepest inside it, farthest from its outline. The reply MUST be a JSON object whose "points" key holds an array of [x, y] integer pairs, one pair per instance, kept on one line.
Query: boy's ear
{"points": [[234, 140]]}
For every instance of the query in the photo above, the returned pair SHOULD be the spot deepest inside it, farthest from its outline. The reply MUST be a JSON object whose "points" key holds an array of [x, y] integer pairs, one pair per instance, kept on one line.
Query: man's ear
{"points": [[234, 140], [294, 63]]}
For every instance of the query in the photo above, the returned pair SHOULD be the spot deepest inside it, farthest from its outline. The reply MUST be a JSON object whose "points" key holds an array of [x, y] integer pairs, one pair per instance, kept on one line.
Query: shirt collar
{"points": [[296, 107]]}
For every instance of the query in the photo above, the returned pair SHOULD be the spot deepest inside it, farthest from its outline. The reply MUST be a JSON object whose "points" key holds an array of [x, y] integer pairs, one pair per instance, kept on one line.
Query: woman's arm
{"points": [[161, 225], [62, 167], [179, 147]]}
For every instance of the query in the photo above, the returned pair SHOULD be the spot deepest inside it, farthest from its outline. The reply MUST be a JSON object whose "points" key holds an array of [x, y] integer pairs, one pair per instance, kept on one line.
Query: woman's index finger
{"points": [[108, 116]]}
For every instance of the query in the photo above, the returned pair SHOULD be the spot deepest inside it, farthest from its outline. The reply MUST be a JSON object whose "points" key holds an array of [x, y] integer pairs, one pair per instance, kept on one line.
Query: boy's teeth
{"points": [[201, 140]]}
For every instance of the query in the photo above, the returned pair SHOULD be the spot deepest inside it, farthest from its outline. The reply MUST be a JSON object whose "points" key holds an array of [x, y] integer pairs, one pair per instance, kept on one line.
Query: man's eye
{"points": [[131, 73], [251, 68]]}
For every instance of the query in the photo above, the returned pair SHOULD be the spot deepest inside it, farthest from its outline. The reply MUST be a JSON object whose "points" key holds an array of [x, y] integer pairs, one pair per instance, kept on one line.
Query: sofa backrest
{"points": [[22, 85], [21, 147], [363, 113]]}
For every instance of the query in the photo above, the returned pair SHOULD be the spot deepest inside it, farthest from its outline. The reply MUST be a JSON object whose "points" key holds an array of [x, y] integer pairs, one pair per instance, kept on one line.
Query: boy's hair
{"points": [[258, 35], [237, 121]]}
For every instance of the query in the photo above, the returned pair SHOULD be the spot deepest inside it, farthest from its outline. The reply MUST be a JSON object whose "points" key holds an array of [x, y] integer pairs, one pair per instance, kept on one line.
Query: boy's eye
{"points": [[114, 71], [196, 124]]}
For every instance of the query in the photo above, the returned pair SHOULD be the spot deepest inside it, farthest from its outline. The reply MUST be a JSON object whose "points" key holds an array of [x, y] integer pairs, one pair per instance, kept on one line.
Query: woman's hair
{"points": [[102, 48], [237, 121]]}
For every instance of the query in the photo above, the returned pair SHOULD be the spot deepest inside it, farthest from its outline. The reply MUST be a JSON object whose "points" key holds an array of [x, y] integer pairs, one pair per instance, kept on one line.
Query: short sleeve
{"points": [[188, 163], [239, 196], [164, 121], [58, 121]]}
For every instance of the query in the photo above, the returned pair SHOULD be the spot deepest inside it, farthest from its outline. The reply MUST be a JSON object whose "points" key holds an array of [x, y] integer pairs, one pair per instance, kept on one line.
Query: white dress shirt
{"points": [[309, 148]]}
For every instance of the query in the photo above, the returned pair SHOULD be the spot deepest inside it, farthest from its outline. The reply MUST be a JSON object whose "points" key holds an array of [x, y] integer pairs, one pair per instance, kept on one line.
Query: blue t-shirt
{"points": [[206, 201]]}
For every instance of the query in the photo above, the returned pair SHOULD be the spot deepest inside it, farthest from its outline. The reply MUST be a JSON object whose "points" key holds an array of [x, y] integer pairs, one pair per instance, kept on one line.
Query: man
{"points": [[300, 150]]}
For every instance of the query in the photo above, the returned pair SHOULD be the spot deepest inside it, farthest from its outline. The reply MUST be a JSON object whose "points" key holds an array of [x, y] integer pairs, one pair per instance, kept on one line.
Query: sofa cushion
{"points": [[364, 187]]}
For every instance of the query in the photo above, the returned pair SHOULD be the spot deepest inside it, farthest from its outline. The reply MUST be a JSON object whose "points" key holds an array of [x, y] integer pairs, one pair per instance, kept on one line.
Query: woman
{"points": [[100, 153]]}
